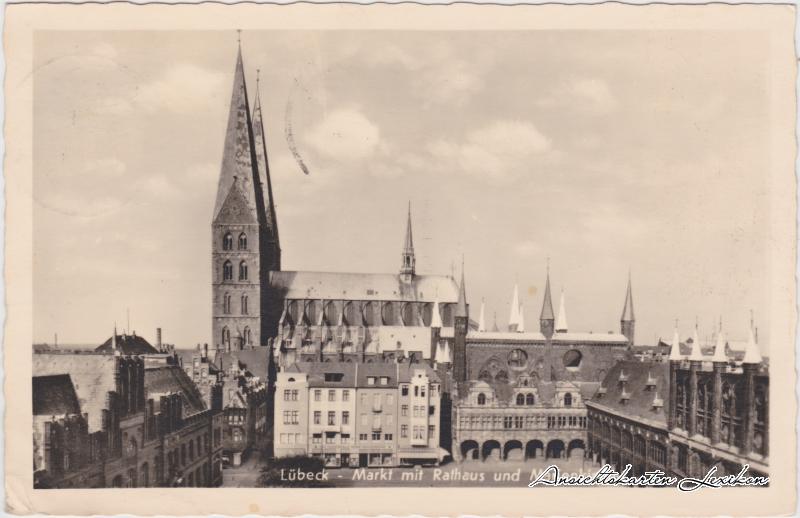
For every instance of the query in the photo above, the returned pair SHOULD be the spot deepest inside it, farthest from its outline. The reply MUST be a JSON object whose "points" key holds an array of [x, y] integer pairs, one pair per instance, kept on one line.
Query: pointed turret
{"points": [[628, 321], [513, 318], [751, 352], [697, 354], [675, 351], [273, 244], [114, 346], [461, 305], [547, 318], [561, 323], [408, 264], [436, 317], [460, 326], [482, 318], [495, 329], [521, 325], [719, 348]]}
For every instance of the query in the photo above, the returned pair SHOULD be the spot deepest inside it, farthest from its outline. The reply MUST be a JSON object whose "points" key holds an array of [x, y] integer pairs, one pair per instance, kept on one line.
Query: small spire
{"points": [[409, 244], [696, 354], [751, 352], [494, 326], [719, 348], [461, 305], [481, 318], [547, 304], [408, 266], [561, 324], [675, 351], [627, 310], [239, 38], [436, 316], [521, 326]]}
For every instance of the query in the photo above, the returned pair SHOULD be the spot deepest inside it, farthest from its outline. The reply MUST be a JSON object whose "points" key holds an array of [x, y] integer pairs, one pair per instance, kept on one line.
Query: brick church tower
{"points": [[244, 232]]}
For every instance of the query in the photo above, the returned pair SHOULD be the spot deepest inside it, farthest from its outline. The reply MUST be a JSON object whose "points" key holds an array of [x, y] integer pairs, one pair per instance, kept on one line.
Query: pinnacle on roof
{"points": [[262, 162], [696, 354], [675, 350], [238, 154], [481, 318], [436, 317], [627, 311], [461, 305], [408, 247], [521, 326], [547, 304], [719, 348], [561, 324], [751, 352], [495, 329], [513, 319]]}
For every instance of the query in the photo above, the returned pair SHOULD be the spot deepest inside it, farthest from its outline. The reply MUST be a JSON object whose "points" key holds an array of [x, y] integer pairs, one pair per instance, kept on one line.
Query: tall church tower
{"points": [[408, 261], [243, 230]]}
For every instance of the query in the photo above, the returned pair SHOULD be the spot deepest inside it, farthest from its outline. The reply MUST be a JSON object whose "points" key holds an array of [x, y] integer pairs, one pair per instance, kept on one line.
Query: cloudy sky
{"points": [[602, 150]]}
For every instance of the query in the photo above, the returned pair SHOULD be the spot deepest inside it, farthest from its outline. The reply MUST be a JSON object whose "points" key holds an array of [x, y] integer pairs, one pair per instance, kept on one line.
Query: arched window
{"points": [[572, 359], [244, 304], [145, 475], [227, 271], [243, 271], [242, 241], [226, 336], [227, 242], [226, 304], [246, 336], [481, 398], [529, 400], [567, 399], [520, 399]]}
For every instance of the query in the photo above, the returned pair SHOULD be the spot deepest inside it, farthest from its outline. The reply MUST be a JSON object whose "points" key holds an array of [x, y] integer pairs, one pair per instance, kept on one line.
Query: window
{"points": [[432, 410], [287, 394], [345, 417], [227, 242], [331, 418], [331, 395], [572, 359], [529, 400], [431, 431], [294, 395], [227, 271], [384, 380], [567, 399], [226, 336], [246, 336], [345, 395], [370, 380], [404, 430], [376, 436], [226, 304], [317, 395], [404, 410], [243, 271], [416, 390], [330, 438], [244, 304], [363, 437], [242, 241], [481, 398], [316, 438], [520, 399], [404, 390], [419, 432], [317, 417], [345, 438], [387, 437]]}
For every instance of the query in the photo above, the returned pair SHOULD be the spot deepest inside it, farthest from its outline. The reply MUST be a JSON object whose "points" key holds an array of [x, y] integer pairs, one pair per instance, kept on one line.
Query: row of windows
{"points": [[227, 241], [245, 338], [227, 271], [226, 304], [526, 399], [530, 422]]}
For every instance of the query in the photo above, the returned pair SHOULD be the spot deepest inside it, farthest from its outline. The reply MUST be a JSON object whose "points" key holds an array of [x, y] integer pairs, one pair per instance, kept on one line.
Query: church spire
{"points": [[627, 322], [408, 265], [482, 317], [265, 182], [547, 317], [513, 319], [461, 305]]}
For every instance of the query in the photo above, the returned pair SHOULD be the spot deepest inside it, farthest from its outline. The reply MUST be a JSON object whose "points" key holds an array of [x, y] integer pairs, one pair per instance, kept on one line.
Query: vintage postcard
{"points": [[395, 259]]}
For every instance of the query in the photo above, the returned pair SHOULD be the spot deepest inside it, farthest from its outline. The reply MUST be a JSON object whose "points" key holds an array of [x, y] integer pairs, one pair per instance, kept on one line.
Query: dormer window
{"points": [[651, 381], [657, 402], [623, 377]]}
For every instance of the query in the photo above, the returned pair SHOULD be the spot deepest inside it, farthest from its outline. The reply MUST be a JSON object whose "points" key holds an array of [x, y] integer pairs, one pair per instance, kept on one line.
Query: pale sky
{"points": [[601, 150]]}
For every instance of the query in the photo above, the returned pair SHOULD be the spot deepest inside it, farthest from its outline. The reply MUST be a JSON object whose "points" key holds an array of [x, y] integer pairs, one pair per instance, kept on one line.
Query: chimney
{"points": [[158, 339], [205, 351]]}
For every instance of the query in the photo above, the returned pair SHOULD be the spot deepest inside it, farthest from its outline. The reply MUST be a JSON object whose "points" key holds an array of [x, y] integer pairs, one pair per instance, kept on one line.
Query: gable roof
{"points": [[128, 345], [364, 286], [171, 379], [640, 397], [54, 396]]}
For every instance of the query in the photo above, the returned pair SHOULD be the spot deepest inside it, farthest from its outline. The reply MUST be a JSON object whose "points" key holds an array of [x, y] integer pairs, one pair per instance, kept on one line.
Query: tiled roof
{"points": [[93, 376], [356, 374], [128, 344], [255, 360], [633, 397], [54, 396], [364, 286], [171, 379]]}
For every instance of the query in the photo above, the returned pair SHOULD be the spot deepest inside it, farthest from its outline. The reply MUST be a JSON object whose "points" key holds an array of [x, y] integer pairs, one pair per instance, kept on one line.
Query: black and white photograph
{"points": [[299, 258]]}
